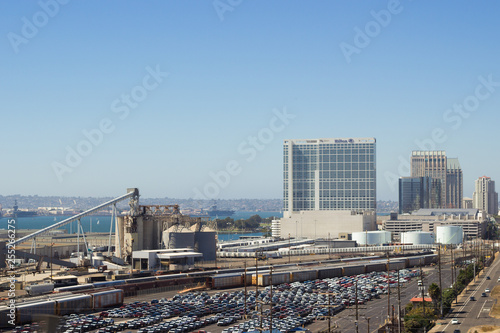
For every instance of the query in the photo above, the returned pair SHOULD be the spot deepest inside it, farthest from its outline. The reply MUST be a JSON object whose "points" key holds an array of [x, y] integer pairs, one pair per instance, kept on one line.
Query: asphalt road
{"points": [[376, 309], [475, 313]]}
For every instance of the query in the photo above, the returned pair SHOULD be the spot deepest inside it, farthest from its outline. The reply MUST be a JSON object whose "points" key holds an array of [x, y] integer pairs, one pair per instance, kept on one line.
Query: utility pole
{"points": [[422, 289], [245, 276], [440, 282], [388, 289], [399, 305], [356, 300], [329, 247], [368, 322], [271, 303], [329, 309], [289, 247]]}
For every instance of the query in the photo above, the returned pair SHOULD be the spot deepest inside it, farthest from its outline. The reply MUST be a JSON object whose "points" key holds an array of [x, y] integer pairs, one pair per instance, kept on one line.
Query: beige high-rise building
{"points": [[467, 203], [430, 164], [485, 197]]}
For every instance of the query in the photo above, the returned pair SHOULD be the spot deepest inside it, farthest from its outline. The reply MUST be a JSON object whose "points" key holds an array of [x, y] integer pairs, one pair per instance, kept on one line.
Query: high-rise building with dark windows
{"points": [[454, 184], [418, 192], [431, 164]]}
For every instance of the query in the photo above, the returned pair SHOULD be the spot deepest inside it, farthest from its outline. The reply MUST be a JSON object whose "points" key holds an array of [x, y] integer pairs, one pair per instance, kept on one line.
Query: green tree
{"points": [[435, 293]]}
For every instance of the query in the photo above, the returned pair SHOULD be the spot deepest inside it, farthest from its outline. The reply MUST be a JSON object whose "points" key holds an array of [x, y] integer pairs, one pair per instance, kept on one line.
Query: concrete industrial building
{"points": [[472, 221], [485, 197], [329, 187], [156, 227], [166, 259]]}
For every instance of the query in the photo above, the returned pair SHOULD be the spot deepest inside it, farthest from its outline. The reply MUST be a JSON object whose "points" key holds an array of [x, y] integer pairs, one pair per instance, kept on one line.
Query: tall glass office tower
{"points": [[329, 174]]}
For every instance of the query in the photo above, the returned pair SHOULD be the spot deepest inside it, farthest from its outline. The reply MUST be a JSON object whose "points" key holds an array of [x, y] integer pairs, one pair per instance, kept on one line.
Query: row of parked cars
{"points": [[293, 305]]}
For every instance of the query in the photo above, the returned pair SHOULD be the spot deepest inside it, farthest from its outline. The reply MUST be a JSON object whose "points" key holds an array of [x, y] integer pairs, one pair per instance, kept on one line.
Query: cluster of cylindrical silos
{"points": [[180, 237]]}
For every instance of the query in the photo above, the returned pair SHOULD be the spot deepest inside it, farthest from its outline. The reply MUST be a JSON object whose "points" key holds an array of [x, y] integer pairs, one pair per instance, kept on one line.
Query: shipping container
{"points": [[106, 299], [75, 304]]}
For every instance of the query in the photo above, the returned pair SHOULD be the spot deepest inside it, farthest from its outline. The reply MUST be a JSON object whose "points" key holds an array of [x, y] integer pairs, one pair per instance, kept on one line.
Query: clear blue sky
{"points": [[231, 66]]}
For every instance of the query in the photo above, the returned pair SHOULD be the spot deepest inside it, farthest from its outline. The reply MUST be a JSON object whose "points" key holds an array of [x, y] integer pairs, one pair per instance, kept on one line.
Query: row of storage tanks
{"points": [[264, 278], [60, 305], [443, 235]]}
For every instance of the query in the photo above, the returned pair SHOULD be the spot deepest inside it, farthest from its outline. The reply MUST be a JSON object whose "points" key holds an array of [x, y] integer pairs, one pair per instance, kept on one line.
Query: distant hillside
{"points": [[269, 205]]}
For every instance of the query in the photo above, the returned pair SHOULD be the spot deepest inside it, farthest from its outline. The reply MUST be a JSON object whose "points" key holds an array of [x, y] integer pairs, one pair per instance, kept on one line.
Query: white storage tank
{"points": [[417, 237], [449, 234], [372, 237]]}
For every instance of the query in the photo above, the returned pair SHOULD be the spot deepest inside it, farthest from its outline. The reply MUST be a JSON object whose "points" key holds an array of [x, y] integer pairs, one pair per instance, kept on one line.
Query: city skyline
{"points": [[194, 100]]}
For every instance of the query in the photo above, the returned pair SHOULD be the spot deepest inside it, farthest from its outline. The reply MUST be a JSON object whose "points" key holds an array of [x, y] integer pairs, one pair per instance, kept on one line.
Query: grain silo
{"points": [[178, 237], [205, 241]]}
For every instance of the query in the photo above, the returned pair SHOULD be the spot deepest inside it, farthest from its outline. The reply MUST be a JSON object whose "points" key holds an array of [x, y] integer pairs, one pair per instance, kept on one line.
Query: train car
{"points": [[173, 276], [26, 313], [394, 265], [105, 299], [165, 283], [39, 289], [108, 283], [353, 270], [231, 280], [375, 267], [146, 285], [74, 288], [303, 275], [141, 279], [329, 272], [74, 304], [430, 259], [5, 311], [129, 289], [265, 279], [184, 281], [414, 262]]}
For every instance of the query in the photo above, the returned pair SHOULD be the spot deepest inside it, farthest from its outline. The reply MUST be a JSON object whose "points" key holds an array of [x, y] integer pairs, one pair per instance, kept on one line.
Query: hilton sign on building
{"points": [[329, 187]]}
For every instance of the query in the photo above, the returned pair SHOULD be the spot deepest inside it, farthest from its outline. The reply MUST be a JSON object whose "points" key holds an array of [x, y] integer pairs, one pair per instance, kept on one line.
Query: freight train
{"points": [[263, 277], [96, 296], [59, 305]]}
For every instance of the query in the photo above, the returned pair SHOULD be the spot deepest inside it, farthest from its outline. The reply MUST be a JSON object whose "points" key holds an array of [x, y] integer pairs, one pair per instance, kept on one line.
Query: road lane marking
{"points": [[481, 311], [473, 293]]}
